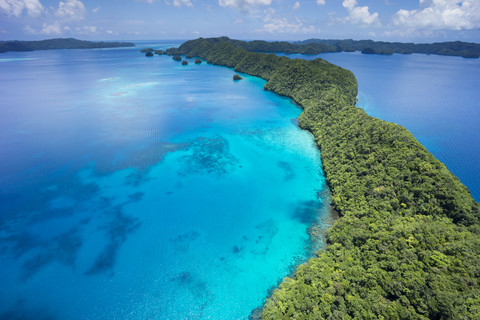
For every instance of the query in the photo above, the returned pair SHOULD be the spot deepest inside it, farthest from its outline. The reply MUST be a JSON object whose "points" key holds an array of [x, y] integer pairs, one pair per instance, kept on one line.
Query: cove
{"points": [[139, 188]]}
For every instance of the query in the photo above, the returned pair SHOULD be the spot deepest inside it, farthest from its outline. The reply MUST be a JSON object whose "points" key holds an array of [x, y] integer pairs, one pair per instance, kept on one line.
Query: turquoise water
{"points": [[435, 97], [137, 188]]}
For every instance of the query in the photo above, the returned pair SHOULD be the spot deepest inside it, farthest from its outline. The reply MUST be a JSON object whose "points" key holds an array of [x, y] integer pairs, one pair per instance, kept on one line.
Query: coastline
{"points": [[317, 233], [383, 181]]}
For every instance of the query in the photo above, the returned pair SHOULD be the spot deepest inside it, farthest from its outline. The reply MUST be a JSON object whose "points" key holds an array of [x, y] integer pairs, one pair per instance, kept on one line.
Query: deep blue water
{"points": [[137, 188], [437, 98]]}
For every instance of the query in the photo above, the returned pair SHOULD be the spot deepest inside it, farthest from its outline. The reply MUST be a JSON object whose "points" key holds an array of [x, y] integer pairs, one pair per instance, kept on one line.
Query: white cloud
{"points": [[321, 2], [28, 29], [51, 28], [15, 7], [87, 29], [54, 28], [296, 5], [276, 24], [96, 9], [244, 6], [179, 3], [70, 10], [441, 14], [359, 15]]}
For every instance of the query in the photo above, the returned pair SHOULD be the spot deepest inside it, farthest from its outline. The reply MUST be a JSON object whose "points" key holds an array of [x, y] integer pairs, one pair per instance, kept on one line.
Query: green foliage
{"points": [[198, 61], [237, 77], [184, 63], [456, 48], [177, 58], [149, 54], [369, 50], [60, 43], [408, 243]]}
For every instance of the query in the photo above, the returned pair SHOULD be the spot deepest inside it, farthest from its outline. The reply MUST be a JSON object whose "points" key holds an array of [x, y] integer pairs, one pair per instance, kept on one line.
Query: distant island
{"points": [[316, 46], [58, 43], [453, 48]]}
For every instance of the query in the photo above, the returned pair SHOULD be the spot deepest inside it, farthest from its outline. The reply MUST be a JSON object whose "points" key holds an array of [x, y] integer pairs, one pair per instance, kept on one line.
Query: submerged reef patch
{"points": [[209, 155], [117, 232]]}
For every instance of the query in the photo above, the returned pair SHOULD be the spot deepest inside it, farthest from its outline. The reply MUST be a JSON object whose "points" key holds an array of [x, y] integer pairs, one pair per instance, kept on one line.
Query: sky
{"points": [[387, 20]]}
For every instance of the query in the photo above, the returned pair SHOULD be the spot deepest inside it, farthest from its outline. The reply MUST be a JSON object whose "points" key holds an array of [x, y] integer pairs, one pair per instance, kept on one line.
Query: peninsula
{"points": [[407, 245], [58, 43]]}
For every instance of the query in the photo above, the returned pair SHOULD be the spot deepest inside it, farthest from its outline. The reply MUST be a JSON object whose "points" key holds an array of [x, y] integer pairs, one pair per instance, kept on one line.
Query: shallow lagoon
{"points": [[135, 187]]}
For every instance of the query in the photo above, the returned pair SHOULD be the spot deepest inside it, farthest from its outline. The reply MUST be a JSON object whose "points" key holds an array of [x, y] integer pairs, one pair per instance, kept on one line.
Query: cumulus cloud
{"points": [[15, 7], [276, 24], [296, 5], [321, 2], [244, 6], [54, 28], [441, 14], [179, 3], [70, 10], [91, 29], [359, 15], [96, 9], [176, 3]]}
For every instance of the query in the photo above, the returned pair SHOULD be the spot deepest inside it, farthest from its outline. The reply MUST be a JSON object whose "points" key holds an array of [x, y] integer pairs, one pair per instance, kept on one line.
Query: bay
{"points": [[137, 188]]}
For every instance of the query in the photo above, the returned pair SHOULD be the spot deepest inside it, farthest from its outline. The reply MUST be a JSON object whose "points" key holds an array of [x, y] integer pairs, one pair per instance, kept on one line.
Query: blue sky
{"points": [[389, 20]]}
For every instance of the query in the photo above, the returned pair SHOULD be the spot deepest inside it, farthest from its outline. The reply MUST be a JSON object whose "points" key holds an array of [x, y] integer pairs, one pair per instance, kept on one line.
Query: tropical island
{"points": [[316, 46], [59, 43], [407, 244]]}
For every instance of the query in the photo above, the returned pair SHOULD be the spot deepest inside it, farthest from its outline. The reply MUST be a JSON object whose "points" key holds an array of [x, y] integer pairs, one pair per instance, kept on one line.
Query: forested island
{"points": [[59, 43], [316, 46], [452, 48], [407, 245]]}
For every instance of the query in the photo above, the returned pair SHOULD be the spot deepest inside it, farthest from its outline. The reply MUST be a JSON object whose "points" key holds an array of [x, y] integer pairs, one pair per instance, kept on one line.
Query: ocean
{"points": [[137, 188]]}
